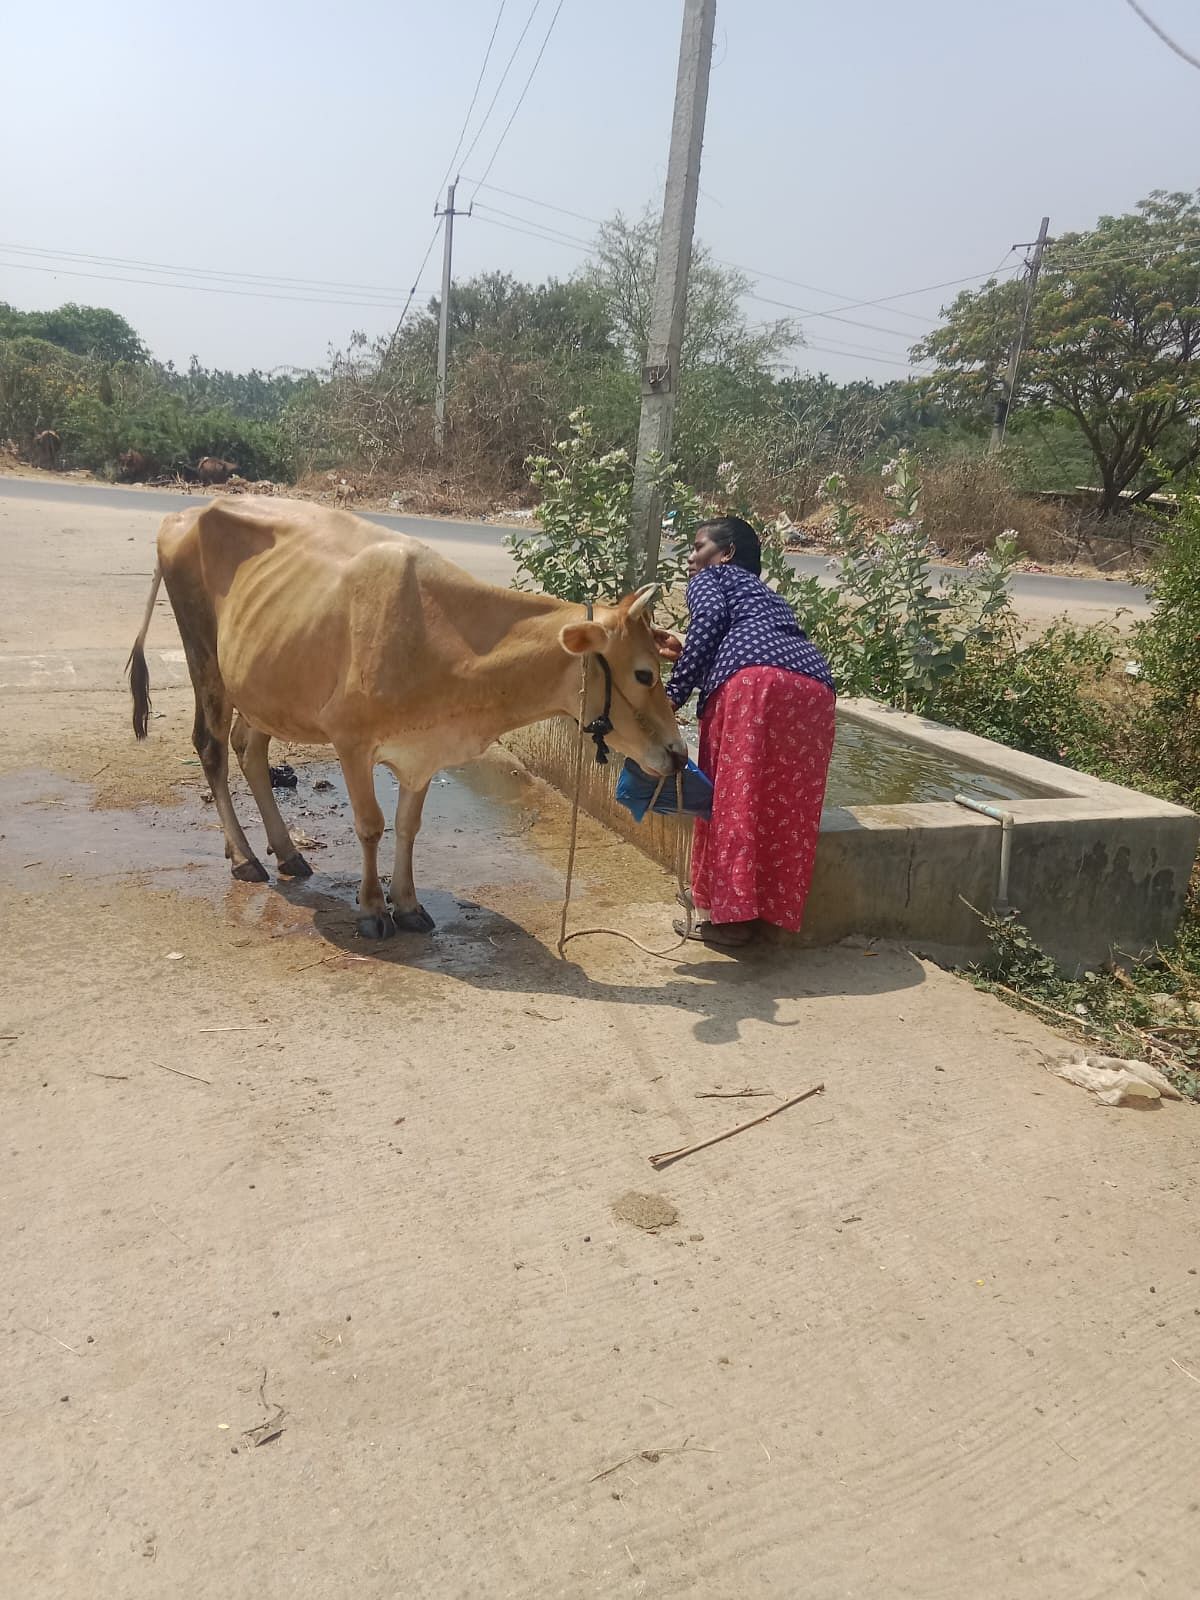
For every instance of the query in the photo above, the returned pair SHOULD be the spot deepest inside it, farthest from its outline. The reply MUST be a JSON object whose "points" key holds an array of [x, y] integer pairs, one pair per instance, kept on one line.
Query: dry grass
{"points": [[418, 490], [967, 503]]}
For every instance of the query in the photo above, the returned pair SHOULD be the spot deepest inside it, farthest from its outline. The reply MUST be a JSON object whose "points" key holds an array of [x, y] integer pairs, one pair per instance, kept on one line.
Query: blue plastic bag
{"points": [[635, 790]]}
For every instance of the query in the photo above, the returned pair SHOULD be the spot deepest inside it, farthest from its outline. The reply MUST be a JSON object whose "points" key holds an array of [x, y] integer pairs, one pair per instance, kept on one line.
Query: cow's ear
{"points": [[583, 638]]}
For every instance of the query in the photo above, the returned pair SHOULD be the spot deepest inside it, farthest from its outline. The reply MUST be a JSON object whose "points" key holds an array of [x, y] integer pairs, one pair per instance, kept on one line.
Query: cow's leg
{"points": [[210, 735], [214, 713], [358, 769], [251, 748], [408, 913]]}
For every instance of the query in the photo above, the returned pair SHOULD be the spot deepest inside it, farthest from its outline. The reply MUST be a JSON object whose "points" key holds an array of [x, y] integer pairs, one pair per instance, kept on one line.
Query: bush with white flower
{"points": [[581, 552]]}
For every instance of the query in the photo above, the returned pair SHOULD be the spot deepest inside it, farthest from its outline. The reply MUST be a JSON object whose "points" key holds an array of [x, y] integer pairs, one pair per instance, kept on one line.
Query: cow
{"points": [[308, 623], [46, 448], [132, 467], [212, 470]]}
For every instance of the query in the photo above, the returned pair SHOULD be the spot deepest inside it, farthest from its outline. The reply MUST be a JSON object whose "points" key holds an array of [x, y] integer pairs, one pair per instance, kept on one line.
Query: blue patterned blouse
{"points": [[736, 622]]}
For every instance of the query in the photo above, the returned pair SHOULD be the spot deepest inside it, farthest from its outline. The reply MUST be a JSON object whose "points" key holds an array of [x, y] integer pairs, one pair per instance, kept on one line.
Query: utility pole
{"points": [[439, 400], [1004, 400], [660, 375]]}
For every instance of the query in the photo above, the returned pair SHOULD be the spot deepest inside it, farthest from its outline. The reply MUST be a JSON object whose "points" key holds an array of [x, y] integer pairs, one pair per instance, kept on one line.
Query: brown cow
{"points": [[132, 467], [46, 448], [306, 623], [212, 469]]}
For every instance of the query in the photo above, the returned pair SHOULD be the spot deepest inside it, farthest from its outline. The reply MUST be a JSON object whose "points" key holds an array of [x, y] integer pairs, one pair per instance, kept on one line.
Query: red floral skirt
{"points": [[766, 737]]}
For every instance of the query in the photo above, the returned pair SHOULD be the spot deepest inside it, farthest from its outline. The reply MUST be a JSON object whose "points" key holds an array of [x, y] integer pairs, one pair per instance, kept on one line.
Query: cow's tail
{"points": [[139, 672]]}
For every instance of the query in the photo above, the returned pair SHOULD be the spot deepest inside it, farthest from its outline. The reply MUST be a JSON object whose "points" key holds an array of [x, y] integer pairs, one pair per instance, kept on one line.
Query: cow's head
{"points": [[642, 718]]}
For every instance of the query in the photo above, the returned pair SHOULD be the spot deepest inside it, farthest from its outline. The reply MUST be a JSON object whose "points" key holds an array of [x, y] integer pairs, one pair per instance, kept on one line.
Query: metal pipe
{"points": [[1006, 821]]}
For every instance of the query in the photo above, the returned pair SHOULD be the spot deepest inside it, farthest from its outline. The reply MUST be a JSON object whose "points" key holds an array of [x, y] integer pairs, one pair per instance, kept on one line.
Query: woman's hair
{"points": [[734, 533]]}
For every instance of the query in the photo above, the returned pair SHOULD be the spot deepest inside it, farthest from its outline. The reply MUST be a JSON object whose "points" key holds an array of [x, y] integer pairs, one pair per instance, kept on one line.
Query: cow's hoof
{"points": [[417, 921], [379, 926], [295, 867], [250, 872]]}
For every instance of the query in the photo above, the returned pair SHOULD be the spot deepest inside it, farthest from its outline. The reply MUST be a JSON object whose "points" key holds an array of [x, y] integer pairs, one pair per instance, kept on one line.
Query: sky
{"points": [[861, 149]]}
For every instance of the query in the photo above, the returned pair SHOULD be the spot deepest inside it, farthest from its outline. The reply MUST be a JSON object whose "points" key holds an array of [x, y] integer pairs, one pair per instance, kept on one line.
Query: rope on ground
{"points": [[685, 899]]}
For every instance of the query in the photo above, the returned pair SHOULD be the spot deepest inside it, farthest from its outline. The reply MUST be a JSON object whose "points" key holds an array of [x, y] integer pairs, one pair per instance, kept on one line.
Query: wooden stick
{"points": [[1064, 1016], [180, 1074], [735, 1094], [665, 1158], [237, 1027], [655, 1456], [1094, 1028]]}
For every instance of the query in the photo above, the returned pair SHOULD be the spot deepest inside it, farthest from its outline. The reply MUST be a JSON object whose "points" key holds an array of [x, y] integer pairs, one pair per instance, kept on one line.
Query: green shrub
{"points": [[1038, 697], [37, 382], [581, 552], [895, 632], [1166, 730]]}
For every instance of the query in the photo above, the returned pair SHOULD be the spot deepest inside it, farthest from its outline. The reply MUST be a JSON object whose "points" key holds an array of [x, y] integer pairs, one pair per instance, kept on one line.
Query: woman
{"points": [[766, 712]]}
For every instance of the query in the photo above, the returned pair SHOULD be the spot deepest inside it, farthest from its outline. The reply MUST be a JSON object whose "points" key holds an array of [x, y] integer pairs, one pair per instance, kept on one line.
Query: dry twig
{"points": [[272, 1425], [653, 1456], [666, 1158], [70, 1348], [735, 1094], [179, 1073]]}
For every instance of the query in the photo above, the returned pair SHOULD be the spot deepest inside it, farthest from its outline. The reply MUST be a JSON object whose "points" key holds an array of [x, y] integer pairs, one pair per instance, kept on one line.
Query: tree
{"points": [[715, 328], [1113, 343], [497, 312], [728, 364], [83, 330]]}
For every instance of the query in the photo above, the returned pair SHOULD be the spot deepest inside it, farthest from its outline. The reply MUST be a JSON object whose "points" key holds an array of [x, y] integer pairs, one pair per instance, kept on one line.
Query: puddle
{"points": [[491, 839]]}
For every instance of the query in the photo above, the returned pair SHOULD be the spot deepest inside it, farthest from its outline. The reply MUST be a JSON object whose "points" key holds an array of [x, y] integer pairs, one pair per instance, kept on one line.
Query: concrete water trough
{"points": [[1095, 871]]}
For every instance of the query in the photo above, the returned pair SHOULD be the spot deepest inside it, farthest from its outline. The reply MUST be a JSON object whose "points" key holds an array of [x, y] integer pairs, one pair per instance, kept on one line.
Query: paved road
{"points": [[1037, 593]]}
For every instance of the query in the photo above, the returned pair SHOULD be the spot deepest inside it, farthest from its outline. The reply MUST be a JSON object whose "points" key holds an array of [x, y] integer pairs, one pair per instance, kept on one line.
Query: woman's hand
{"points": [[670, 645]]}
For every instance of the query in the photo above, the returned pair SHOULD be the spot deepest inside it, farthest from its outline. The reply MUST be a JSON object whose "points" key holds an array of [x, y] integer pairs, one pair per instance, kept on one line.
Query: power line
{"points": [[546, 238], [520, 99], [1100, 259], [761, 272], [266, 279], [845, 346], [503, 80], [199, 288], [887, 361], [462, 132], [1162, 34], [829, 316], [437, 228], [529, 200], [513, 216], [777, 277], [930, 288]]}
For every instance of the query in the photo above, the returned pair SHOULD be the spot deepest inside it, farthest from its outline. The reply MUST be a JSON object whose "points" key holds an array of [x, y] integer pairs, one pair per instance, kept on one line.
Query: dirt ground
{"points": [[337, 1269]]}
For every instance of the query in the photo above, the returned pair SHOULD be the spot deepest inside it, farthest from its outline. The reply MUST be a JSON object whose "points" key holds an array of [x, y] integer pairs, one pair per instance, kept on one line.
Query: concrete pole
{"points": [[660, 375], [443, 356], [1000, 423]]}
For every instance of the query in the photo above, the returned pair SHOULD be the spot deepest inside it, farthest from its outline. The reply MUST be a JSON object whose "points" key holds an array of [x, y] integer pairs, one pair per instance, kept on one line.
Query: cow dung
{"points": [[646, 1211]]}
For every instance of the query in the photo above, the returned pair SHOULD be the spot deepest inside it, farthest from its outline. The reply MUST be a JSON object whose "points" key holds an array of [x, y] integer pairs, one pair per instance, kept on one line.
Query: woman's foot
{"points": [[723, 935]]}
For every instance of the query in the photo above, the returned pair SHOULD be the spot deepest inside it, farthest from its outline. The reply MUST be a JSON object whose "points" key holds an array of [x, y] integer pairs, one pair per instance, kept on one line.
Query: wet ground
{"points": [[492, 838]]}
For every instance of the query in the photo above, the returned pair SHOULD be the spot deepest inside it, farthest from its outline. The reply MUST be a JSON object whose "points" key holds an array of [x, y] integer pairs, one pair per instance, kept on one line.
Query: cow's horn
{"points": [[643, 600]]}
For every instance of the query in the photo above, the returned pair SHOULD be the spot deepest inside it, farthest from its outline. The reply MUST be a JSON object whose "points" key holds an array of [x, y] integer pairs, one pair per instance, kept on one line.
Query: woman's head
{"points": [[725, 541]]}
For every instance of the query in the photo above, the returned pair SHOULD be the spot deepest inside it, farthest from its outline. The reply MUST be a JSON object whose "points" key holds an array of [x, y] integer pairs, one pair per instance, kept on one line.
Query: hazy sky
{"points": [[865, 147]]}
